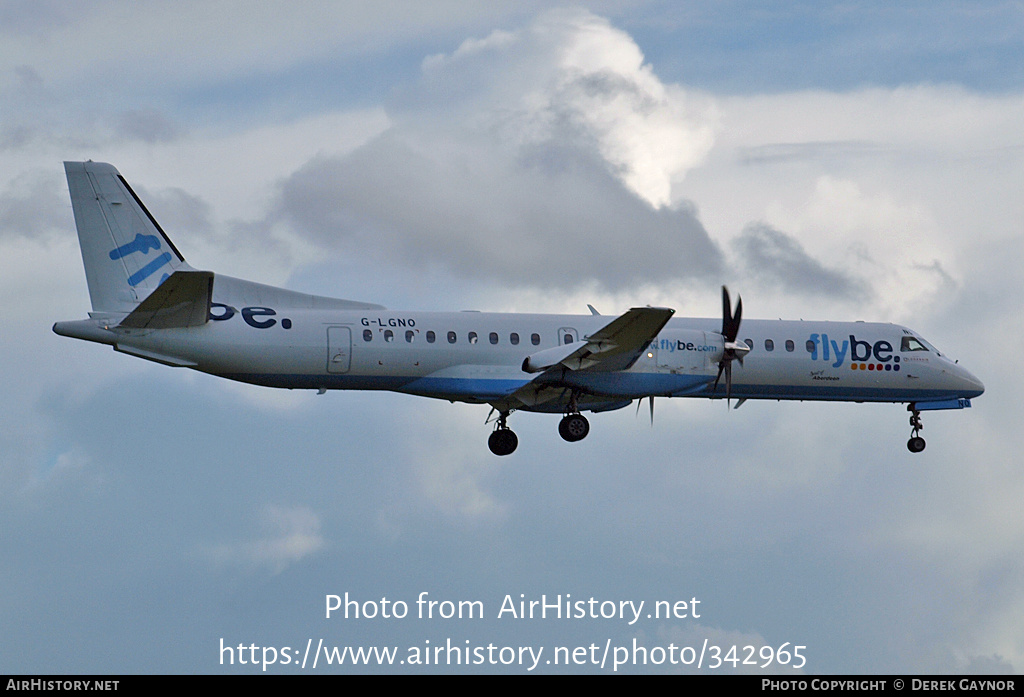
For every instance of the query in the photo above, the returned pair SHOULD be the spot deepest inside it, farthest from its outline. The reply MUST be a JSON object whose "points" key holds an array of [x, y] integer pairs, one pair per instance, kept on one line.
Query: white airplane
{"points": [[147, 302]]}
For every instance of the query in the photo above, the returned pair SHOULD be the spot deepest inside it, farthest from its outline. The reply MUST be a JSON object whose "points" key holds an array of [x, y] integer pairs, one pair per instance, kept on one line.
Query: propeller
{"points": [[732, 350], [640, 402]]}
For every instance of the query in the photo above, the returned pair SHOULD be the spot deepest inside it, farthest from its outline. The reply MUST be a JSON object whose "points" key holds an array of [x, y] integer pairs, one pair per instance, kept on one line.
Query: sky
{"points": [[836, 160]]}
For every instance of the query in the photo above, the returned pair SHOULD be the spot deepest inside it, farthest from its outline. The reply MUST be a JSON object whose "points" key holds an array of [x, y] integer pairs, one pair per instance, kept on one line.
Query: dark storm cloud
{"points": [[778, 258], [551, 216]]}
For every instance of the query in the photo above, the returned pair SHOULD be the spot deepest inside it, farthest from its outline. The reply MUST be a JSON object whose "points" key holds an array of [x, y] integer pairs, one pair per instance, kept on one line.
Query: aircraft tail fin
{"points": [[125, 251]]}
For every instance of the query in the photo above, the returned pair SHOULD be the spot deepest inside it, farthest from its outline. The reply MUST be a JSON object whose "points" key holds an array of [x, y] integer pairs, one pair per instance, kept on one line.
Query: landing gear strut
{"points": [[503, 440], [916, 442], [573, 426]]}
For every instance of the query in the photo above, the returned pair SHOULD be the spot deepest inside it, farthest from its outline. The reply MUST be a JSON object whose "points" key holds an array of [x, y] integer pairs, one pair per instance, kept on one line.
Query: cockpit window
{"points": [[911, 343]]}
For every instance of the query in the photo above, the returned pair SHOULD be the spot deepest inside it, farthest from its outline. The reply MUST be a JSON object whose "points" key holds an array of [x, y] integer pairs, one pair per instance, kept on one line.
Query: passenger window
{"points": [[535, 339], [367, 335], [472, 337], [452, 338], [749, 343], [493, 337], [811, 346], [513, 339], [389, 335], [409, 335], [790, 345], [430, 337], [769, 345]]}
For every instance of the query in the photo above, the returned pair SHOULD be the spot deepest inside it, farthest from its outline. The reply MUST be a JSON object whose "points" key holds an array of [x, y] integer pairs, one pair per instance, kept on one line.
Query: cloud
{"points": [[545, 157], [891, 246], [33, 205], [293, 533], [552, 218], [774, 153], [148, 125], [573, 77], [777, 258], [179, 210]]}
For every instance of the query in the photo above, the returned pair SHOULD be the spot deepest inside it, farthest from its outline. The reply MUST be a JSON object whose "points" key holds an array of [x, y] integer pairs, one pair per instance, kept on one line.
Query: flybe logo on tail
{"points": [[863, 355], [142, 243]]}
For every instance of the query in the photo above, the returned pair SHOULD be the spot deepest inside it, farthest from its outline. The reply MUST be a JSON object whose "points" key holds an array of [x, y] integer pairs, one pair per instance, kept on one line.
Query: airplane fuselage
{"points": [[476, 357]]}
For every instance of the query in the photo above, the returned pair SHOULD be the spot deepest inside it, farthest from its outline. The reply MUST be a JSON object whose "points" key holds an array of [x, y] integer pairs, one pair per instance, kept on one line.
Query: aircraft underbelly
{"points": [[636, 384]]}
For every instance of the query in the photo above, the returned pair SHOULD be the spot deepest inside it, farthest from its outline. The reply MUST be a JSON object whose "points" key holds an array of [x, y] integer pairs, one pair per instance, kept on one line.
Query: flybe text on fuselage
{"points": [[860, 353], [673, 345]]}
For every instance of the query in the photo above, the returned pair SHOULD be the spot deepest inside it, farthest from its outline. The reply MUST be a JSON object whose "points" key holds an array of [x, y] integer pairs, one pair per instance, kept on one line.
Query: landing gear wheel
{"points": [[915, 444], [503, 441], [573, 427]]}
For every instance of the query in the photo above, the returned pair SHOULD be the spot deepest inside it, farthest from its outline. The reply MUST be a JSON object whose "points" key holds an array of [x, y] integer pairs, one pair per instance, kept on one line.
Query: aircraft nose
{"points": [[969, 386]]}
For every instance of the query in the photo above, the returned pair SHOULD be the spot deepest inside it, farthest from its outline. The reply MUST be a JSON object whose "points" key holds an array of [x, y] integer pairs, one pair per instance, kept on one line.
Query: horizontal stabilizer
{"points": [[183, 300]]}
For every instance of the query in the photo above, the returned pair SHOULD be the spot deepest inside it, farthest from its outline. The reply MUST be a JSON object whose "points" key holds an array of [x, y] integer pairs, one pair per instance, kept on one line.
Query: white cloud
{"points": [[893, 188], [293, 533], [572, 74], [540, 157]]}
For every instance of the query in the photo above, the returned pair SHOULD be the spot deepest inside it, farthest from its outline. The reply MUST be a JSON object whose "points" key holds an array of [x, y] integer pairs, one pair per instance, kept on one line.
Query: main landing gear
{"points": [[573, 426], [916, 442], [503, 440]]}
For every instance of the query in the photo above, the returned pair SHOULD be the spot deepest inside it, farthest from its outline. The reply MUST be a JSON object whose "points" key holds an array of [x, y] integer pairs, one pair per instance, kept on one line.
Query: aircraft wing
{"points": [[182, 300], [616, 346]]}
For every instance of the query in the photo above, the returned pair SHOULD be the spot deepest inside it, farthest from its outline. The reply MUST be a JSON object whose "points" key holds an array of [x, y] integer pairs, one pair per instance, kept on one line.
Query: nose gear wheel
{"points": [[916, 442]]}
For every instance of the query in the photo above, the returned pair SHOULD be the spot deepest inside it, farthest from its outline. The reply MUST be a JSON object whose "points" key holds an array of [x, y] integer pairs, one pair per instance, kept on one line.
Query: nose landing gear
{"points": [[916, 442]]}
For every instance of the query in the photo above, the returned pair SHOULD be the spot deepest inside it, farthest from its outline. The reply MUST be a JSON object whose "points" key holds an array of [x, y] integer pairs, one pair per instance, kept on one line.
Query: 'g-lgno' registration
{"points": [[147, 302]]}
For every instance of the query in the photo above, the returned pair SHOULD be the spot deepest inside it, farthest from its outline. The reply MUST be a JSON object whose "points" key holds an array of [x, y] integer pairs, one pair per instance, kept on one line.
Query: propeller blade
{"points": [[640, 402], [730, 321], [726, 313], [728, 384], [736, 318]]}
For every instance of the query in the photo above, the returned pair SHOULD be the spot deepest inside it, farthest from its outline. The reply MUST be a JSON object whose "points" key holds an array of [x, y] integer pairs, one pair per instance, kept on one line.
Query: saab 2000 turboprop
{"points": [[147, 302]]}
